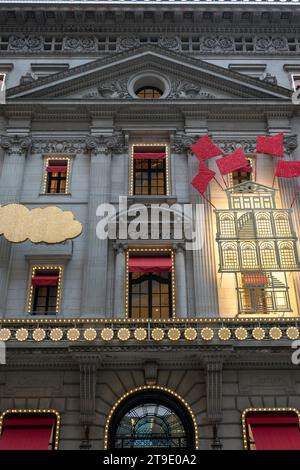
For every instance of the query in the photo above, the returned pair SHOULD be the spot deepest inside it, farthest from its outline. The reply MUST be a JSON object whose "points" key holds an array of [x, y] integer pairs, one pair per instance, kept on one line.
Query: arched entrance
{"points": [[151, 417]]}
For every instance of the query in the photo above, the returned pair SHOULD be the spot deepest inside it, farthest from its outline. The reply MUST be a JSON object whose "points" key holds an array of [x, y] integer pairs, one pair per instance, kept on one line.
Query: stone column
{"points": [[11, 182], [119, 287], [96, 263], [205, 272], [180, 274]]}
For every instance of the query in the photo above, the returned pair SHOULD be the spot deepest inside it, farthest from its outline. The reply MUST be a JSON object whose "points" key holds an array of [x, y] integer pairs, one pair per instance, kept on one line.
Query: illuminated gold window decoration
{"points": [[149, 388], [263, 224], [54, 432], [163, 296], [248, 434], [287, 255], [268, 256], [43, 299], [227, 225], [230, 256], [248, 253], [149, 177], [57, 182], [282, 225]]}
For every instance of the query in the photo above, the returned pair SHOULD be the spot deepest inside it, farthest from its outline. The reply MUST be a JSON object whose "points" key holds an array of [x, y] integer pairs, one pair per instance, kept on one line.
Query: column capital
{"points": [[179, 247], [16, 144], [182, 142], [107, 144], [290, 143], [120, 247]]}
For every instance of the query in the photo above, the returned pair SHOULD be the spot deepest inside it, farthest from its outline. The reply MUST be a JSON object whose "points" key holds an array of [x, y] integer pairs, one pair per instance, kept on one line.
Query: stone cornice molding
{"points": [[57, 146], [16, 145]]}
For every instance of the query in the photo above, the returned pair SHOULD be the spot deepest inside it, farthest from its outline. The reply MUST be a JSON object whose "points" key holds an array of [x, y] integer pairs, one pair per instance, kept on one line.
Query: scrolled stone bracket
{"points": [[88, 378]]}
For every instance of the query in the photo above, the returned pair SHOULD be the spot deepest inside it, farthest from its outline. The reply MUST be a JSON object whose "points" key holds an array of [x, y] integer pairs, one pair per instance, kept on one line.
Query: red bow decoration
{"points": [[232, 162], [203, 178], [270, 145], [290, 169], [204, 148]]}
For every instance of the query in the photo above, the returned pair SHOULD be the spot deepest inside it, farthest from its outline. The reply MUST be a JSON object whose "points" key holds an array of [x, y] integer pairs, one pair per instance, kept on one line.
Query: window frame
{"points": [[155, 252], [132, 168], [275, 411], [60, 158], [35, 412], [30, 299]]}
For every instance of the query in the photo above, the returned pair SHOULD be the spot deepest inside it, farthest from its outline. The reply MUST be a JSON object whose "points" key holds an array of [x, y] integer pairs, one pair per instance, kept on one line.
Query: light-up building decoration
{"points": [[258, 243]]}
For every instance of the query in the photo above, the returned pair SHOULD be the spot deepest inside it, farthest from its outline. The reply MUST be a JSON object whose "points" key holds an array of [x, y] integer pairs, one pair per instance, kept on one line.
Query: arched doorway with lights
{"points": [[151, 417]]}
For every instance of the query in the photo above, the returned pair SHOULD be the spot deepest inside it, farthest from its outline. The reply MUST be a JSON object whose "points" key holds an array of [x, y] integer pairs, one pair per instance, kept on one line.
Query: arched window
{"points": [[151, 419], [263, 224], [287, 255], [227, 226], [282, 225], [149, 93], [268, 255], [230, 256], [249, 258]]}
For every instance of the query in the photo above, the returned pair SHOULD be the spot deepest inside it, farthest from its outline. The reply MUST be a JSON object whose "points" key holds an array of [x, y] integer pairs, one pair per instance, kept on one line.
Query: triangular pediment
{"points": [[109, 79], [250, 187]]}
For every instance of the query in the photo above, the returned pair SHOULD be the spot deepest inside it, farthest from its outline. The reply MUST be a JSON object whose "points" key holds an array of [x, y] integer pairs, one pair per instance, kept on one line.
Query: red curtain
{"points": [[57, 169], [45, 280], [22, 433], [146, 265], [149, 155], [271, 432]]}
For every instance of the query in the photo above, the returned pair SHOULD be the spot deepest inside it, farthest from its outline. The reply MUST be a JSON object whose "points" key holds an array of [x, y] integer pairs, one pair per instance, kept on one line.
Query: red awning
{"points": [[271, 432], [255, 279], [45, 280], [146, 265], [276, 437], [273, 419], [57, 169], [26, 433], [149, 155]]}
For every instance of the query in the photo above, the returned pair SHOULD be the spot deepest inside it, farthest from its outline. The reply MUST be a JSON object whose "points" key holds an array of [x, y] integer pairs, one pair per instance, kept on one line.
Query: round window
{"points": [[148, 86]]}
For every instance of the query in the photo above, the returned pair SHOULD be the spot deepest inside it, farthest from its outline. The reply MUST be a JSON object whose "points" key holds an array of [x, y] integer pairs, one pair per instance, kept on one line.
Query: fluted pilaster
{"points": [[11, 183], [119, 304], [95, 270]]}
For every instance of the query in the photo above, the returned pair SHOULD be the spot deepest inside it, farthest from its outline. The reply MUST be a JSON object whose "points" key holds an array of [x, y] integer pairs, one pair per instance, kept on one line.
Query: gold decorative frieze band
{"points": [[118, 331]]}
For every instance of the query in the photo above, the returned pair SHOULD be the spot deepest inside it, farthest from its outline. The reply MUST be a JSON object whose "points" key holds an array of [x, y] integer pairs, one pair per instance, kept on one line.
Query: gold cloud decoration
{"points": [[48, 225]]}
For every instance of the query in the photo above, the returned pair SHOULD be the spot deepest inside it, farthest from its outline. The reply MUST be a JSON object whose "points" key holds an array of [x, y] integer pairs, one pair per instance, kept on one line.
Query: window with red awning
{"points": [[150, 264], [274, 431], [28, 432]]}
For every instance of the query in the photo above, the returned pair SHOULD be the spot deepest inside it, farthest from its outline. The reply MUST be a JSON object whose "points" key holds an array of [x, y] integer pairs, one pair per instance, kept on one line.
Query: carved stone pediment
{"points": [[109, 77]]}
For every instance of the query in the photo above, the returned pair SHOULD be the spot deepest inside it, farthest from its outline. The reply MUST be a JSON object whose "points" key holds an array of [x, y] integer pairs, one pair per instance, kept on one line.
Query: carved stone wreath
{"points": [[270, 44], [22, 43], [217, 43], [84, 44]]}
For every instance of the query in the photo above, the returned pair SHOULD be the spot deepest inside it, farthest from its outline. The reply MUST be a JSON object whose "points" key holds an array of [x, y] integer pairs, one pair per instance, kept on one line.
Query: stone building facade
{"points": [[88, 86]]}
